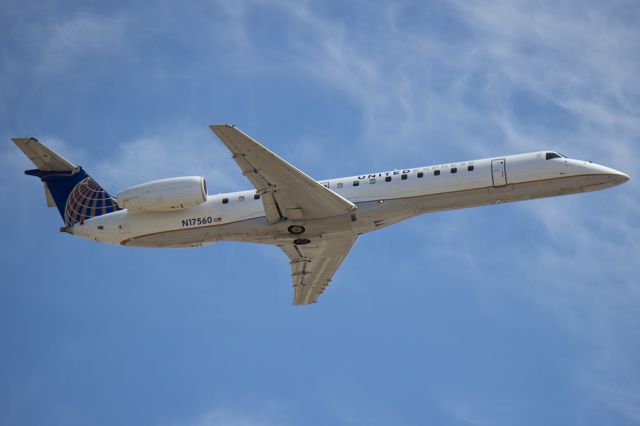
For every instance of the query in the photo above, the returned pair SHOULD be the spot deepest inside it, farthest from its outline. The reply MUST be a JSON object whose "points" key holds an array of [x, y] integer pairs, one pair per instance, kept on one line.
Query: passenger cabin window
{"points": [[420, 174], [339, 185], [454, 170], [256, 196], [225, 201], [241, 198], [403, 177], [356, 183], [372, 180], [470, 168], [551, 155], [387, 179], [436, 172]]}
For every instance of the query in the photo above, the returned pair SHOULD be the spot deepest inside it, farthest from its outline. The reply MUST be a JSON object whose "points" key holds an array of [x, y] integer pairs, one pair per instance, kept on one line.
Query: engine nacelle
{"points": [[164, 194]]}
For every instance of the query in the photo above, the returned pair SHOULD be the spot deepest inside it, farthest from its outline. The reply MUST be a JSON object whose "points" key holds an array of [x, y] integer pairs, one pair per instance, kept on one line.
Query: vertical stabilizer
{"points": [[68, 187]]}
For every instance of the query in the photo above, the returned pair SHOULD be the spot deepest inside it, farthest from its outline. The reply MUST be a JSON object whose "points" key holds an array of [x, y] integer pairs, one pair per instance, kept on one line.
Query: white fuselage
{"points": [[382, 199]]}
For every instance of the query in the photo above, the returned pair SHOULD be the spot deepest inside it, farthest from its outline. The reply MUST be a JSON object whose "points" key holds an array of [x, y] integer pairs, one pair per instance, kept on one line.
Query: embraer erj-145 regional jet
{"points": [[315, 223]]}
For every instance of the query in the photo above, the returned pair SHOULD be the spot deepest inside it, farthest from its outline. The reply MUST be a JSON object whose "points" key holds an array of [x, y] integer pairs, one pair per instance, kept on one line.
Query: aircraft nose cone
{"points": [[622, 177], [616, 177]]}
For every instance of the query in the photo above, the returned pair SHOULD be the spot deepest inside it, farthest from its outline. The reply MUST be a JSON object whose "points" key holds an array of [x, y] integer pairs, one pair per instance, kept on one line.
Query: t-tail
{"points": [[68, 187]]}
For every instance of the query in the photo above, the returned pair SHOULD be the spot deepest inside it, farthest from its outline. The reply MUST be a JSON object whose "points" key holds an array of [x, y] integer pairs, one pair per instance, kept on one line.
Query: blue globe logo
{"points": [[88, 200]]}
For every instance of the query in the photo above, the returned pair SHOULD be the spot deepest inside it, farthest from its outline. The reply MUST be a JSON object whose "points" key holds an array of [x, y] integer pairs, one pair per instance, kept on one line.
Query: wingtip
{"points": [[216, 126], [22, 140]]}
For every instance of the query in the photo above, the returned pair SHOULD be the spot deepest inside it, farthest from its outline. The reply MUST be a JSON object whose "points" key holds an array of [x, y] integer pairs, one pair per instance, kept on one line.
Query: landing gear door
{"points": [[499, 172]]}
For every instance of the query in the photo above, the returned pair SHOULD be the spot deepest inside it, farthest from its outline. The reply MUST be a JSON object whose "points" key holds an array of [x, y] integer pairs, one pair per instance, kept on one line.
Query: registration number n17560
{"points": [[196, 221]]}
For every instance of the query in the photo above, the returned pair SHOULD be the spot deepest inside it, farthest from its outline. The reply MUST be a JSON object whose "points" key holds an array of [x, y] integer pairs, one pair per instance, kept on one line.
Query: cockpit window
{"points": [[551, 155]]}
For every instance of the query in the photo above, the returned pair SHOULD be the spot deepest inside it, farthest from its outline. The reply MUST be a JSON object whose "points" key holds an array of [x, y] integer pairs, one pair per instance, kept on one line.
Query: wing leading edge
{"points": [[313, 265], [287, 193]]}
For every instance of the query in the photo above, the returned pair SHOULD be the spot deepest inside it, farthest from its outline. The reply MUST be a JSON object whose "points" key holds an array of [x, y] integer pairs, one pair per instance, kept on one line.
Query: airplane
{"points": [[315, 223]]}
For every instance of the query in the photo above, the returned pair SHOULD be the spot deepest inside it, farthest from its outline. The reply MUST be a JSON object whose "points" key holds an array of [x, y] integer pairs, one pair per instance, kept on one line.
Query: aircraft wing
{"points": [[313, 265], [287, 193]]}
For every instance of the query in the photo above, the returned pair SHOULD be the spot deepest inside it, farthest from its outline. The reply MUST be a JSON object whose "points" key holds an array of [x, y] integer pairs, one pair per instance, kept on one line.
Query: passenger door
{"points": [[499, 172]]}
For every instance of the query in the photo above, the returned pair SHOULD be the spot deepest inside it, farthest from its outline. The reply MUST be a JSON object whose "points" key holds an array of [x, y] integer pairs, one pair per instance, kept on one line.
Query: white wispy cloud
{"points": [[86, 36], [579, 63], [481, 412], [392, 84], [15, 162], [230, 417], [421, 94], [625, 399], [580, 60], [175, 149]]}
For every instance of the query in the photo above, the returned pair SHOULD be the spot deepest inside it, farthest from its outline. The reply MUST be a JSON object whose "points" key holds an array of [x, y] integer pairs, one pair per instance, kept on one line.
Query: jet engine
{"points": [[164, 194]]}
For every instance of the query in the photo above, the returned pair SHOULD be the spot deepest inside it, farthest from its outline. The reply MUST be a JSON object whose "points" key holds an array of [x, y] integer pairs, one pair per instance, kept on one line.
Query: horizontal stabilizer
{"points": [[43, 157]]}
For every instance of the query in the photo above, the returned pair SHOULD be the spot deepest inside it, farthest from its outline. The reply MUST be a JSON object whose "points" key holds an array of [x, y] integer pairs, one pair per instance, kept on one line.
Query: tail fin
{"points": [[67, 186]]}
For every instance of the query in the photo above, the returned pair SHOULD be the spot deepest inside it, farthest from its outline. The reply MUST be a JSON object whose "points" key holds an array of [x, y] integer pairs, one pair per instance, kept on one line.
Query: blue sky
{"points": [[514, 314]]}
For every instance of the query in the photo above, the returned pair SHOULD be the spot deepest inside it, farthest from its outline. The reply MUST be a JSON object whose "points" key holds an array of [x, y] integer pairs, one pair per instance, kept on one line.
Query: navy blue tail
{"points": [[76, 195]]}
